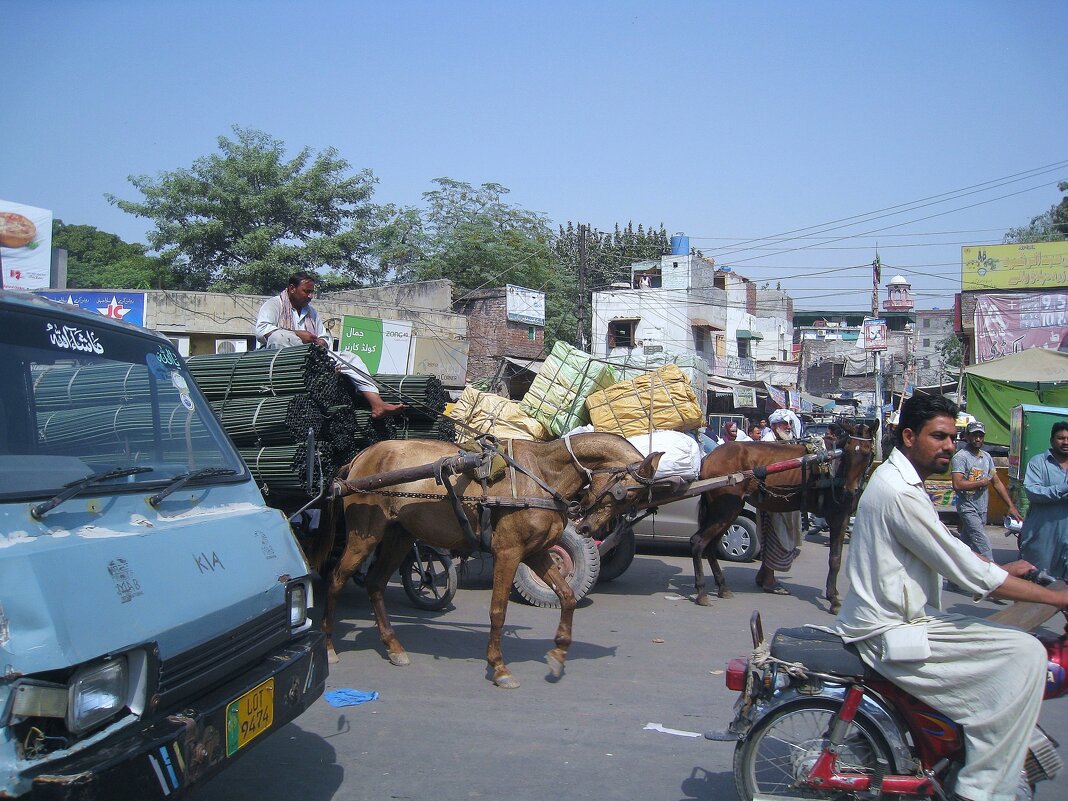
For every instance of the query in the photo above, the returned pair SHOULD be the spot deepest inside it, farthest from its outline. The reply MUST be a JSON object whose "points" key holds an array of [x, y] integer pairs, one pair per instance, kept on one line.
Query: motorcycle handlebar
{"points": [[1039, 577]]}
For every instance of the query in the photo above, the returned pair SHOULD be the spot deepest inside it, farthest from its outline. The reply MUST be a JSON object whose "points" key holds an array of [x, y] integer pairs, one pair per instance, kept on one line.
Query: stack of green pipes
{"points": [[349, 430], [425, 397], [64, 386], [274, 371], [282, 420], [281, 470], [122, 429]]}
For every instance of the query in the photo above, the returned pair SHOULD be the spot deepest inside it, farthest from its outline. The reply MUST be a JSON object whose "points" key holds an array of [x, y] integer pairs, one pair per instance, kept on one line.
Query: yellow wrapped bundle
{"points": [[492, 414], [662, 400]]}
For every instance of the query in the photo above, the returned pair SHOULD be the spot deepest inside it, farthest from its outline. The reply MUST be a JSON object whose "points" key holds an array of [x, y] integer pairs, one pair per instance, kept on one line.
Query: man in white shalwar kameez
{"points": [[780, 532], [988, 678], [288, 319]]}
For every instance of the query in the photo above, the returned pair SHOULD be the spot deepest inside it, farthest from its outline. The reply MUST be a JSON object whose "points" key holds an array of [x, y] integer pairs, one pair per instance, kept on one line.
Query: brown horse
{"points": [[835, 500], [595, 468]]}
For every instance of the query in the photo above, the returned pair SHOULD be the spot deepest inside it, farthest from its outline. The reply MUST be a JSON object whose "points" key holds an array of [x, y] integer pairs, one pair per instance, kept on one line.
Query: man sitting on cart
{"points": [[289, 319]]}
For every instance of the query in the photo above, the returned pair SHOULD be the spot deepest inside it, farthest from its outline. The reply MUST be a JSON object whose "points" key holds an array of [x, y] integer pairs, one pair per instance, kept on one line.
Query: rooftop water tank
{"points": [[680, 244]]}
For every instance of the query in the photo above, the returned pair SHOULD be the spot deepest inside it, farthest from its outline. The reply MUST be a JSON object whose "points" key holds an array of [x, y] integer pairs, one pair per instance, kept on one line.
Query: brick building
{"points": [[496, 342]]}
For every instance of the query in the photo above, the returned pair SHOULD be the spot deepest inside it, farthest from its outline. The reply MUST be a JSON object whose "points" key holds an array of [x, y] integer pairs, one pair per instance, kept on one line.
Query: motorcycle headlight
{"points": [[96, 693]]}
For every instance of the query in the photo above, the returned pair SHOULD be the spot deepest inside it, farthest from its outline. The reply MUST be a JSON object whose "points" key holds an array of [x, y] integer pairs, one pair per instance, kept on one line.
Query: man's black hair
{"points": [[298, 278], [1057, 428], [918, 409]]}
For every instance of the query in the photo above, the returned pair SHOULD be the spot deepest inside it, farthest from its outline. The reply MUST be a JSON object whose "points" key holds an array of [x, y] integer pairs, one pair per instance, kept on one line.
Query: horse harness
{"points": [[813, 480], [491, 462]]}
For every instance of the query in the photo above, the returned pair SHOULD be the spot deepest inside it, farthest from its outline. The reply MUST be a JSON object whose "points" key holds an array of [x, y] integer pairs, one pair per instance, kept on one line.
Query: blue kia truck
{"points": [[156, 617]]}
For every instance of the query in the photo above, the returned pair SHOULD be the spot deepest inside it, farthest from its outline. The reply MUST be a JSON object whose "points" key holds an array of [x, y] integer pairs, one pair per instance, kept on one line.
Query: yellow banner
{"points": [[1031, 266]]}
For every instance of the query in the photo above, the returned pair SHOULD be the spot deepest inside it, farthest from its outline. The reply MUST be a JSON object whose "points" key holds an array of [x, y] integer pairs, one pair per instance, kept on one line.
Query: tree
{"points": [[245, 218], [99, 260], [471, 236], [1050, 226]]}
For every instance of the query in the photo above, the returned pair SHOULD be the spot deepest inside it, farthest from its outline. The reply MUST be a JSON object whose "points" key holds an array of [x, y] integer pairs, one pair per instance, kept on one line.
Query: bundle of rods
{"points": [[275, 420], [281, 470], [63, 386], [274, 371]]}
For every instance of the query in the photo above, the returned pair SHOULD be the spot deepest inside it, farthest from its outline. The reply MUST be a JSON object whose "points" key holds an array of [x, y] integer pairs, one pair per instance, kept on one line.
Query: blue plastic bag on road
{"points": [[345, 697]]}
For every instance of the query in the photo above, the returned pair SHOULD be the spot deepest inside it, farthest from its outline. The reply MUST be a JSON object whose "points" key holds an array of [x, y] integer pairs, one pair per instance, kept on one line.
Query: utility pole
{"points": [[580, 336], [877, 358]]}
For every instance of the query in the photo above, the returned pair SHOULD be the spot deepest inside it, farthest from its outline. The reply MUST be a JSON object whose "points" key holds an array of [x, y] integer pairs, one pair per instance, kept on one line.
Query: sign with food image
{"points": [[25, 245]]}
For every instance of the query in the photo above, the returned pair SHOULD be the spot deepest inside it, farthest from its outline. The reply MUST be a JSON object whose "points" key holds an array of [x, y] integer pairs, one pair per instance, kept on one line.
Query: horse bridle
{"points": [[613, 487]]}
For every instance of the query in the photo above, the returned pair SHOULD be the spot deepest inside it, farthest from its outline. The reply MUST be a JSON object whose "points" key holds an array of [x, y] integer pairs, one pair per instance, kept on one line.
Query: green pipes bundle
{"points": [[425, 397], [281, 470], [274, 371], [277, 420]]}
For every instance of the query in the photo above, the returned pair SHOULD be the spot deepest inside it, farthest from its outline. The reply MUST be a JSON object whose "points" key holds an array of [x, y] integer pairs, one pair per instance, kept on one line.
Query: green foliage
{"points": [[471, 236], [99, 260], [245, 218], [950, 351], [1050, 226]]}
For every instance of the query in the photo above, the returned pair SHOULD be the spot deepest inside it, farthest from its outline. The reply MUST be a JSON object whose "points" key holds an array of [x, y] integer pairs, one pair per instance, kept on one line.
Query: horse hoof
{"points": [[507, 681], [331, 657], [726, 594], [400, 659], [703, 600], [556, 665], [836, 607]]}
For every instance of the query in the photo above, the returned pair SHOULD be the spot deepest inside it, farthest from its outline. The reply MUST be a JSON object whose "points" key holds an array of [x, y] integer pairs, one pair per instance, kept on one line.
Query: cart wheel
{"points": [[576, 557], [429, 577]]}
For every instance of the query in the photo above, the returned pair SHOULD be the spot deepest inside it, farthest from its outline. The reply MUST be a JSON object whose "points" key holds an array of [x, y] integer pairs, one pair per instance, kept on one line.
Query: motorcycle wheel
{"points": [[783, 747], [431, 586]]}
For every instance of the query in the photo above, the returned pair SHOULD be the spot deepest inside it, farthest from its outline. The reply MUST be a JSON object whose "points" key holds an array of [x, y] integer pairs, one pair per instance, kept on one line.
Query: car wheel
{"points": [[740, 542]]}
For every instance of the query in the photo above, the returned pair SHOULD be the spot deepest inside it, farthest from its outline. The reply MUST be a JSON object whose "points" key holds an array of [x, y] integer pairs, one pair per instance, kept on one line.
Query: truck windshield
{"points": [[76, 401]]}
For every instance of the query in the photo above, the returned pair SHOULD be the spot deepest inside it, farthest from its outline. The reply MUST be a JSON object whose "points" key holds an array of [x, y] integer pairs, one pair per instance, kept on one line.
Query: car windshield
{"points": [[77, 399]]}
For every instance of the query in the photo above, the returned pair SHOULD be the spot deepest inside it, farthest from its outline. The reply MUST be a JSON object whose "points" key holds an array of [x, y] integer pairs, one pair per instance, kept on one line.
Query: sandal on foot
{"points": [[776, 589]]}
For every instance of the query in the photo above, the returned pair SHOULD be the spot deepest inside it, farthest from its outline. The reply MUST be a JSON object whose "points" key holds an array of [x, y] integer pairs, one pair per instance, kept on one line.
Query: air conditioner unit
{"points": [[231, 345]]}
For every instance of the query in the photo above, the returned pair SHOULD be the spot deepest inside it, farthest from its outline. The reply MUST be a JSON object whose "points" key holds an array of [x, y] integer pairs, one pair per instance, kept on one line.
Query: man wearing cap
{"points": [[973, 474]]}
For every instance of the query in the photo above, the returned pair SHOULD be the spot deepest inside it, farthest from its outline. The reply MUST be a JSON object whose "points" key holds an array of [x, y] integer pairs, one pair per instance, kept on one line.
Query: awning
{"points": [[744, 333], [533, 365]]}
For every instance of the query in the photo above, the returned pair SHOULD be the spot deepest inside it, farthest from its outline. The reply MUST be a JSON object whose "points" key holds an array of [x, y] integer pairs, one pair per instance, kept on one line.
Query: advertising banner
{"points": [[383, 345], [778, 396], [128, 306], [524, 305], [1007, 324], [1031, 266], [874, 334], [744, 397], [444, 358], [25, 246]]}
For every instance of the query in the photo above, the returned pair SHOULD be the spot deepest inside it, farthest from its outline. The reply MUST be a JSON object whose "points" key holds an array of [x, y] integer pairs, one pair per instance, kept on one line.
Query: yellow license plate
{"points": [[249, 716]]}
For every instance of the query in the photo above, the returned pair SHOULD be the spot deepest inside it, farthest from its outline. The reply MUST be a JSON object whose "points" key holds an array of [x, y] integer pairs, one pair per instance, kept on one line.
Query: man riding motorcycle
{"points": [[987, 677]]}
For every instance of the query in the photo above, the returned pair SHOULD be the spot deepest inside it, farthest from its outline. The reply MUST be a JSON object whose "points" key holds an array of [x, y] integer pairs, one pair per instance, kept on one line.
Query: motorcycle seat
{"points": [[818, 650]]}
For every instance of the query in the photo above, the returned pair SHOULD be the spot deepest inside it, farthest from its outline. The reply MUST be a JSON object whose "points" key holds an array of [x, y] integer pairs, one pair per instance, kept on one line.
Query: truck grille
{"points": [[189, 673]]}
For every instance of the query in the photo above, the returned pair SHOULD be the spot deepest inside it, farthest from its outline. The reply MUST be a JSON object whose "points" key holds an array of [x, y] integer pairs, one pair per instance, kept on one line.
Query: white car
{"points": [[677, 522]]}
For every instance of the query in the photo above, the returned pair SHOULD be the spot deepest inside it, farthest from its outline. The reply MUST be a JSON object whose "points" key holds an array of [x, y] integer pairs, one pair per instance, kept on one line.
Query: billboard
{"points": [[1007, 324], [128, 306], [444, 358], [1031, 266], [25, 246], [383, 345], [524, 305]]}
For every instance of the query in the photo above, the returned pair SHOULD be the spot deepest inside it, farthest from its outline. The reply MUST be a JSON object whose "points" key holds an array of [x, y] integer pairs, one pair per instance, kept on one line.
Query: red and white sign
{"points": [[874, 334], [25, 246], [1006, 324]]}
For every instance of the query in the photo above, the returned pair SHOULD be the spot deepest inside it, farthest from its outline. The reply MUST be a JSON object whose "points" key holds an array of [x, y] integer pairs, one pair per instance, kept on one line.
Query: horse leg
{"points": [[357, 549], [713, 564], [505, 564], [698, 543], [837, 526], [395, 546], [546, 569]]}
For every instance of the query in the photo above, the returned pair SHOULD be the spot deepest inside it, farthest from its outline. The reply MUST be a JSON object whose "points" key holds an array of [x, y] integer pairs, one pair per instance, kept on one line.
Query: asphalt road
{"points": [[643, 654]]}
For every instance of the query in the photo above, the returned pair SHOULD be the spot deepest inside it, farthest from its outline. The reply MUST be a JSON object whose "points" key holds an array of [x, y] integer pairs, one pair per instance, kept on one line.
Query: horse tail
{"points": [[320, 549]]}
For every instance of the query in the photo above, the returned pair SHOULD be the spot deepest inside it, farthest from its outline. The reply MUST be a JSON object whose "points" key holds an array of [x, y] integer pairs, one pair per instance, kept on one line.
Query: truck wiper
{"points": [[184, 478], [74, 487]]}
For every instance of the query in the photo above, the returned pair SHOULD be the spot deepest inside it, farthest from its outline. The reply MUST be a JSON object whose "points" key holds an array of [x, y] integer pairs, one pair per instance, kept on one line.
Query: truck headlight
{"points": [[299, 601], [96, 693]]}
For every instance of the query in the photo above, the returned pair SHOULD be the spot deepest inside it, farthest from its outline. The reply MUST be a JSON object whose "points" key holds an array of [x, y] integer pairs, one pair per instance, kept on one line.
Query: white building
{"points": [[685, 305]]}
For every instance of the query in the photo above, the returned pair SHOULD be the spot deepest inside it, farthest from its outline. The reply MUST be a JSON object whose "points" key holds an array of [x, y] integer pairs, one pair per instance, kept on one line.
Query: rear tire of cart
{"points": [[579, 562]]}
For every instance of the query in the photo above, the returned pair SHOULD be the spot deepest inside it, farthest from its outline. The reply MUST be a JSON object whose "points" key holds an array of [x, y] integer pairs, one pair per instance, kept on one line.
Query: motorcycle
{"points": [[812, 721]]}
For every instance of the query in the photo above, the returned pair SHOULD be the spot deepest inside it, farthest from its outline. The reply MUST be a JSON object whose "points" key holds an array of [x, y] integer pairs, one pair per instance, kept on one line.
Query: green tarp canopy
{"points": [[1038, 376]]}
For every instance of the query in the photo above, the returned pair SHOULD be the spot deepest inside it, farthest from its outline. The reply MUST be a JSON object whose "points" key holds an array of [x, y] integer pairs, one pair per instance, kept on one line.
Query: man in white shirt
{"points": [[988, 678], [289, 319], [780, 532]]}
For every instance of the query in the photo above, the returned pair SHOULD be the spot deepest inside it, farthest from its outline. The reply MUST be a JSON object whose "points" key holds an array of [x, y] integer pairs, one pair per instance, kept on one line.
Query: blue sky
{"points": [[729, 121]]}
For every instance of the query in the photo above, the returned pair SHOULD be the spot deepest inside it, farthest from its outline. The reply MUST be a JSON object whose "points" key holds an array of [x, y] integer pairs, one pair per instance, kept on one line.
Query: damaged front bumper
{"points": [[165, 758]]}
